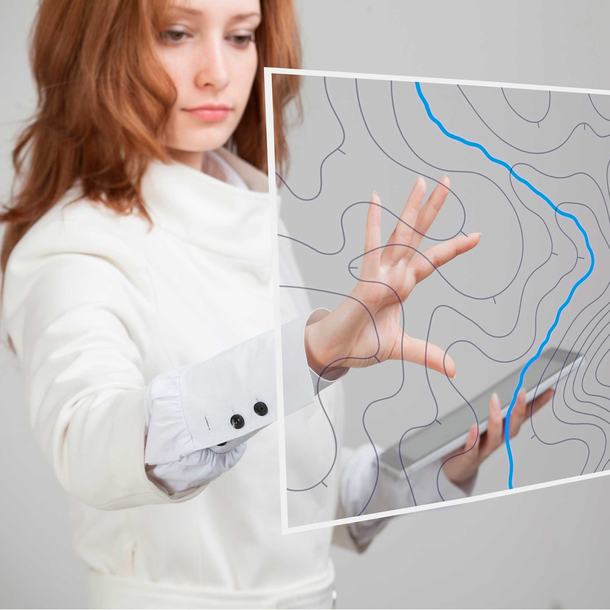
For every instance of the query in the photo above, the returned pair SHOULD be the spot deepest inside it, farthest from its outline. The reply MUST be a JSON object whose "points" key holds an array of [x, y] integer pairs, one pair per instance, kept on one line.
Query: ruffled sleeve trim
{"points": [[168, 434]]}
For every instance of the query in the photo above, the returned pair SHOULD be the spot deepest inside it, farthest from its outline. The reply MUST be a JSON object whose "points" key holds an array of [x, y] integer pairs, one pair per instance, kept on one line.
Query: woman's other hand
{"points": [[347, 336], [479, 447]]}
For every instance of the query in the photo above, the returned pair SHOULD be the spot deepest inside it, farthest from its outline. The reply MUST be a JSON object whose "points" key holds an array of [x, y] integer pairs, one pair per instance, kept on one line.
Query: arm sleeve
{"points": [[357, 483], [77, 305], [223, 401], [172, 456]]}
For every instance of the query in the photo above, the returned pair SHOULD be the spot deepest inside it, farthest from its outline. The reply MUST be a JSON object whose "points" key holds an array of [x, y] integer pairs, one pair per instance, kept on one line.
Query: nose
{"points": [[212, 68]]}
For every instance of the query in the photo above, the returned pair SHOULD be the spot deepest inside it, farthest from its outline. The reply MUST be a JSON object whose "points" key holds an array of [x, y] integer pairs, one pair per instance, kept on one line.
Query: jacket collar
{"points": [[209, 212]]}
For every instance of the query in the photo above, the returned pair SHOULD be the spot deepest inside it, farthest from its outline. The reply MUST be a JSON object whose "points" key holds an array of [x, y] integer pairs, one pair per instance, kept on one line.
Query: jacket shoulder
{"points": [[77, 224], [77, 255], [82, 235]]}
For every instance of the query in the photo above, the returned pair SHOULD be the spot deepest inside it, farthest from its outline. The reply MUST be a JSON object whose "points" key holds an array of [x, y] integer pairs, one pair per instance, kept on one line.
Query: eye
{"points": [[244, 39], [173, 35]]}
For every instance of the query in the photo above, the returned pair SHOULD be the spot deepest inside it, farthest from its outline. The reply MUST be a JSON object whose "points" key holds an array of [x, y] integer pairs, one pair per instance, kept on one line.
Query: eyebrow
{"points": [[194, 11]]}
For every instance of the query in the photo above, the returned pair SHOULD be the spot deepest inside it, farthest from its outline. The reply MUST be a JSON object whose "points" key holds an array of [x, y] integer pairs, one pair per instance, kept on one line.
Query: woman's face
{"points": [[209, 51]]}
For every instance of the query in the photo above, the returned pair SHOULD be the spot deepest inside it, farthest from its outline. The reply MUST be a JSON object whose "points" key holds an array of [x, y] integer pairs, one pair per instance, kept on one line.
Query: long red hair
{"points": [[104, 101]]}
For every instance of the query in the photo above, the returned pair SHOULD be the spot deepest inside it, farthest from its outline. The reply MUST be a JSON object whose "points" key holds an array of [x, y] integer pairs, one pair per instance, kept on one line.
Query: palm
{"points": [[382, 338], [377, 343]]}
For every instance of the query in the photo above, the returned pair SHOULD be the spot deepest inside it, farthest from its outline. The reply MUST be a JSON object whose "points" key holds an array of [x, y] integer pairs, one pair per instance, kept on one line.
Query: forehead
{"points": [[204, 8]]}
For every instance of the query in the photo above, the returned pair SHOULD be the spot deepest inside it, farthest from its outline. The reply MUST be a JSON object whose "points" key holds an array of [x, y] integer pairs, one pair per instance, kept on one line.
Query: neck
{"points": [[193, 159]]}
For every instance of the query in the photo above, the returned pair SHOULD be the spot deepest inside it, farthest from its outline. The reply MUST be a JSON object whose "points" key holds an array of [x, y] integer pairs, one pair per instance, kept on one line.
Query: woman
{"points": [[141, 223]]}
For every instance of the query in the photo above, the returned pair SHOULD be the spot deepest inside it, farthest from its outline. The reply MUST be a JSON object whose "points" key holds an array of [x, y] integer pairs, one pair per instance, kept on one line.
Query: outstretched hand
{"points": [[347, 336]]}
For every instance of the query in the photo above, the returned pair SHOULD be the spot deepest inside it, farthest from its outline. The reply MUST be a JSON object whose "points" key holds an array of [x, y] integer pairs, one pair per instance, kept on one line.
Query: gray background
{"points": [[539, 549]]}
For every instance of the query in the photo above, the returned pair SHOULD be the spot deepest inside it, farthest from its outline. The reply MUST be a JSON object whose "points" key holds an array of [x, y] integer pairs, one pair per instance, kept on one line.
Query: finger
{"points": [[428, 213], [473, 444], [414, 350], [539, 402], [432, 258], [518, 414], [372, 239], [494, 428], [404, 228]]}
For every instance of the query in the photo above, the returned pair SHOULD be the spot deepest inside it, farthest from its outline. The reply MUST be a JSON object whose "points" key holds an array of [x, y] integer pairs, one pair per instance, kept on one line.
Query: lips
{"points": [[210, 107], [210, 112]]}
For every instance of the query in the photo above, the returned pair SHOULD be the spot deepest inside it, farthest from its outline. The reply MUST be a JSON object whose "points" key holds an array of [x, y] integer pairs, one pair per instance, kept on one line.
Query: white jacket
{"points": [[97, 307]]}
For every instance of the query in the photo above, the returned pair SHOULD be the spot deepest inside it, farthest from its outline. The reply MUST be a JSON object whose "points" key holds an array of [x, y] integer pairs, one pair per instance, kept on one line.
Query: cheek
{"points": [[247, 69], [178, 74]]}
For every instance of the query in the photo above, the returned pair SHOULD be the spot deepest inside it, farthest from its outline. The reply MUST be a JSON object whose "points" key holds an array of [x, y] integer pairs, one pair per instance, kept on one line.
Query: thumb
{"points": [[425, 353], [472, 443]]}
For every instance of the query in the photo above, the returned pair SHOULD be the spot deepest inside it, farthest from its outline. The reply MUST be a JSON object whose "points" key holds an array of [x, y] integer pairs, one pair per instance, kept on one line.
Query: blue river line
{"points": [[578, 283]]}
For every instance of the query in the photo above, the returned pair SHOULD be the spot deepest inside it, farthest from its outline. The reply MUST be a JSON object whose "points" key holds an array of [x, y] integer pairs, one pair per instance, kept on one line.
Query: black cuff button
{"points": [[237, 421], [260, 408]]}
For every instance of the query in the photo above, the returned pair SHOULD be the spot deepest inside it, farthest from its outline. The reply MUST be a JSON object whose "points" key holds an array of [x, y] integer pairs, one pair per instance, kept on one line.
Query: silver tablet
{"points": [[436, 441]]}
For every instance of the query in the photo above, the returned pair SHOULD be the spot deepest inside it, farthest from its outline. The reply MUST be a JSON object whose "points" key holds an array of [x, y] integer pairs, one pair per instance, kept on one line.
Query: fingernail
{"points": [[445, 176], [496, 401], [375, 194], [479, 234]]}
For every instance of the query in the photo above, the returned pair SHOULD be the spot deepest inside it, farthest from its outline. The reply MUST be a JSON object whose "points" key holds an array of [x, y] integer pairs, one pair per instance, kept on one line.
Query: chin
{"points": [[210, 138]]}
